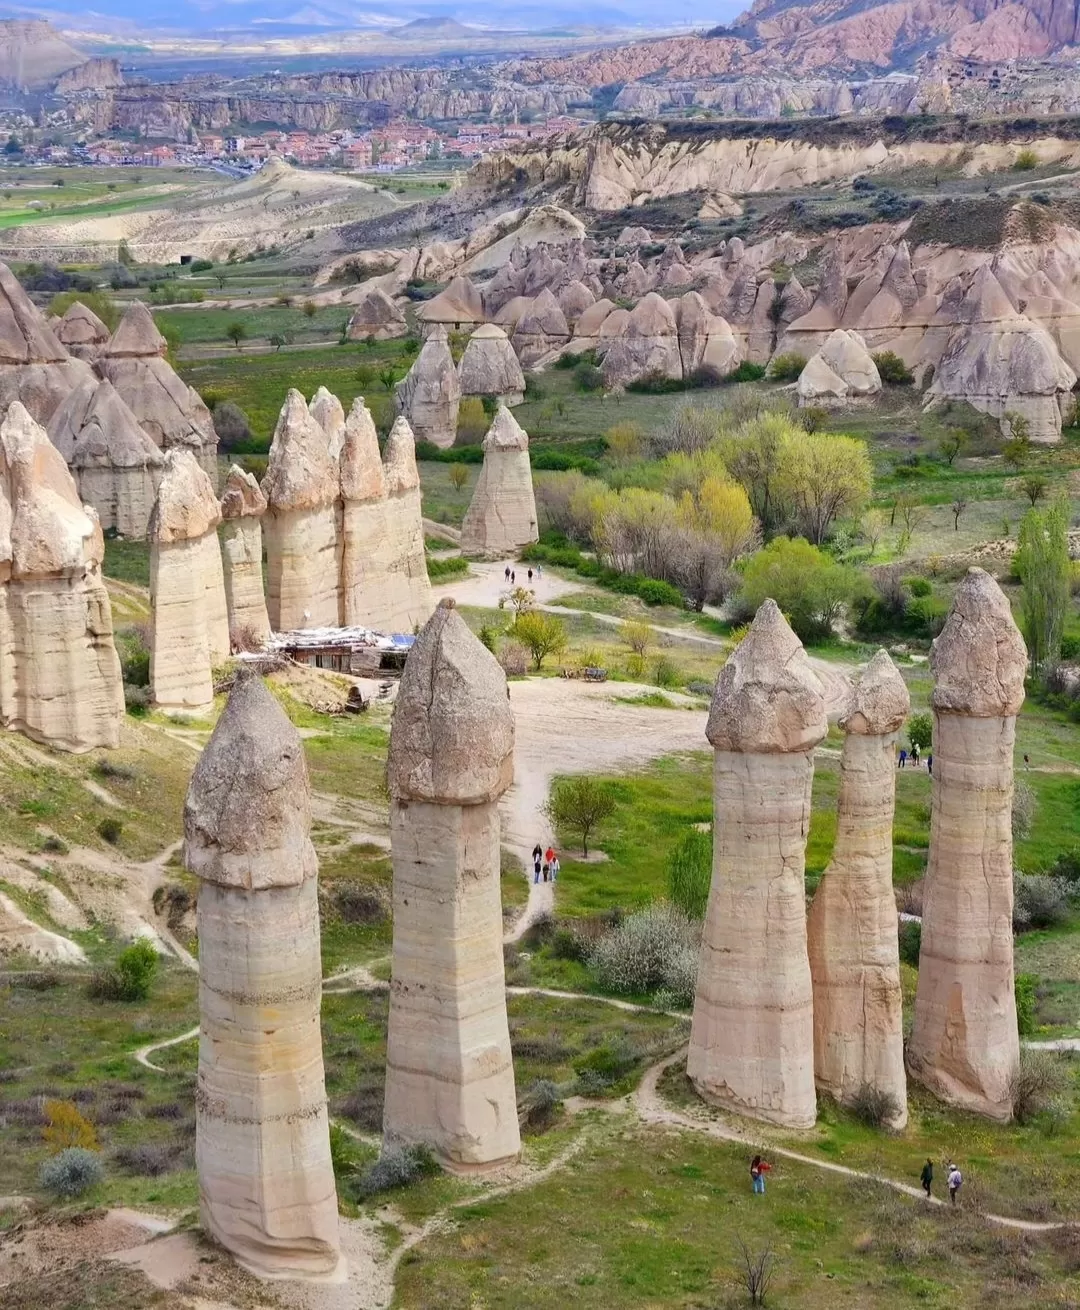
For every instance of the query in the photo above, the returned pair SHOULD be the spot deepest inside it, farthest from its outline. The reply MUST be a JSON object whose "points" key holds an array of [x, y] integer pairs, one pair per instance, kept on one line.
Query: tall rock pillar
{"points": [[262, 1146], [449, 1072], [752, 1039], [964, 1045], [502, 513], [189, 615], [242, 508], [852, 925], [301, 489], [407, 601]]}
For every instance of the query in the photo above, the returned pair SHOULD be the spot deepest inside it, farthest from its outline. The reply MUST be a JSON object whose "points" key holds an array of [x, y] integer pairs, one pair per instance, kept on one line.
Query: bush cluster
{"points": [[651, 949], [130, 977], [71, 1173], [651, 590], [398, 1166], [1039, 901]]}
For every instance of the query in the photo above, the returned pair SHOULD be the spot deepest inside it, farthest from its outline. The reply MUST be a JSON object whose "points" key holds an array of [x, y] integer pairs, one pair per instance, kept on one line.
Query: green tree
{"points": [[1034, 487], [541, 635], [459, 475], [920, 731], [1042, 563], [580, 805], [952, 443], [236, 332], [824, 477], [310, 309], [810, 587], [387, 377]]}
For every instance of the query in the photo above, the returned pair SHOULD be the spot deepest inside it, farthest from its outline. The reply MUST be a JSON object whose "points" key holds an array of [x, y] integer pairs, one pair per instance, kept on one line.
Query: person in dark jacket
{"points": [[927, 1176]]}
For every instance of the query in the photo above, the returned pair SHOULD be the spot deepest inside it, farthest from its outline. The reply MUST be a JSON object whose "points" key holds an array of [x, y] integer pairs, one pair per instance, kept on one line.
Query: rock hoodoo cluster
{"points": [[752, 1039], [242, 508], [429, 394], [449, 1071], [344, 526], [82, 334], [60, 677], [190, 625], [262, 1145], [502, 513], [376, 317], [166, 408], [116, 466], [964, 1045], [852, 924], [841, 370]]}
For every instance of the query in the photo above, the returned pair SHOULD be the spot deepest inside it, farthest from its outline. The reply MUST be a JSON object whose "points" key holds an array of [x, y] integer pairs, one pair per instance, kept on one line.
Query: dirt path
{"points": [[143, 1054], [653, 1109]]}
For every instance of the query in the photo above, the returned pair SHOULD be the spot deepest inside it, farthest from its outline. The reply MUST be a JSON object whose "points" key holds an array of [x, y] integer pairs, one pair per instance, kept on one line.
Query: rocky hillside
{"points": [[33, 54]]}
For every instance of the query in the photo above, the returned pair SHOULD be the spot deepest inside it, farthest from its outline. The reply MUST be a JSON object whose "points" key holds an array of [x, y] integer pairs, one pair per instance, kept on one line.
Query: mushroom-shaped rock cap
{"points": [[768, 700], [136, 336], [979, 660], [880, 701], [93, 426], [186, 507], [399, 458], [506, 433], [360, 464], [300, 473], [242, 497], [452, 736], [247, 817]]}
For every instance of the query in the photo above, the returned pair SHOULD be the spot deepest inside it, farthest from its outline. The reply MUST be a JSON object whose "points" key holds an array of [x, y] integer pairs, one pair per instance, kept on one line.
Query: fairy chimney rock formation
{"points": [[242, 508], [190, 626], [377, 317], [82, 334], [429, 394], [964, 1045], [449, 1071], [841, 370], [367, 550], [406, 590], [115, 464], [262, 1144], [301, 490], [35, 369], [502, 513], [60, 677], [327, 411], [752, 1038], [852, 924], [489, 366], [168, 410]]}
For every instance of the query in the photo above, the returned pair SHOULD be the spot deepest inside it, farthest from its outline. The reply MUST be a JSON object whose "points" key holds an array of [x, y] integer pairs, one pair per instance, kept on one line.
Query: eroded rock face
{"points": [[82, 334], [647, 347], [242, 508], [852, 924], [429, 394], [262, 1146], [964, 1045], [301, 490], [841, 370], [502, 513], [60, 677], [449, 1071], [35, 369], [115, 464], [190, 625], [540, 328], [752, 1038], [489, 367], [166, 408], [406, 596], [376, 316]]}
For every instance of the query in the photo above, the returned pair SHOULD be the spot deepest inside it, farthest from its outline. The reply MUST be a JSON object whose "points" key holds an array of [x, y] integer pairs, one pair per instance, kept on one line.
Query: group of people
{"points": [[913, 756], [510, 574], [545, 863], [954, 1179]]}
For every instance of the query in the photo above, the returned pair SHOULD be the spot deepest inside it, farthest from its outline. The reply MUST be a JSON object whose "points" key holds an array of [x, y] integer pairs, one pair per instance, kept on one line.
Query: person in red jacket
{"points": [[758, 1169]]}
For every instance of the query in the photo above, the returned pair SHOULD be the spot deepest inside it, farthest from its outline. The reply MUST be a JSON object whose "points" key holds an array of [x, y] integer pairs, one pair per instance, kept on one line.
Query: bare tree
{"points": [[958, 506], [758, 1268]]}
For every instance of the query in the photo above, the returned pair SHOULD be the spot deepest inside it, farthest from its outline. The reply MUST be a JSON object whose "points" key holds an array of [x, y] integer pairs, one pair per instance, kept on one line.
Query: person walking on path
{"points": [[537, 851], [903, 759], [930, 764], [539, 572], [927, 1176], [915, 754], [537, 865], [530, 577], [506, 573], [956, 1181], [758, 1170], [555, 867], [1027, 763], [513, 577]]}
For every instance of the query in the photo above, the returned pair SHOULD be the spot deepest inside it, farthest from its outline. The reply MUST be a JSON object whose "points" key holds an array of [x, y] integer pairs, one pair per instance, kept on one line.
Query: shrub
{"points": [[894, 372], [398, 1166], [231, 424], [96, 301], [1024, 988], [587, 377], [1025, 160], [514, 658], [65, 1127], [787, 368], [1025, 803], [541, 634], [131, 977], [654, 592], [542, 1103], [655, 947], [1067, 866], [665, 672], [689, 874], [1038, 1079], [1039, 901], [874, 1106], [71, 1173], [910, 941], [455, 566], [920, 730], [746, 372], [489, 637], [472, 421], [149, 1159], [201, 265], [110, 830]]}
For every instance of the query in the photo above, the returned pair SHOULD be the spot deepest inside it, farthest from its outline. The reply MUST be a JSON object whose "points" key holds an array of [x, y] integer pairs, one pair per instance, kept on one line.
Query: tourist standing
{"points": [[758, 1170], [555, 867], [956, 1181], [927, 1176], [903, 759], [537, 865]]}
